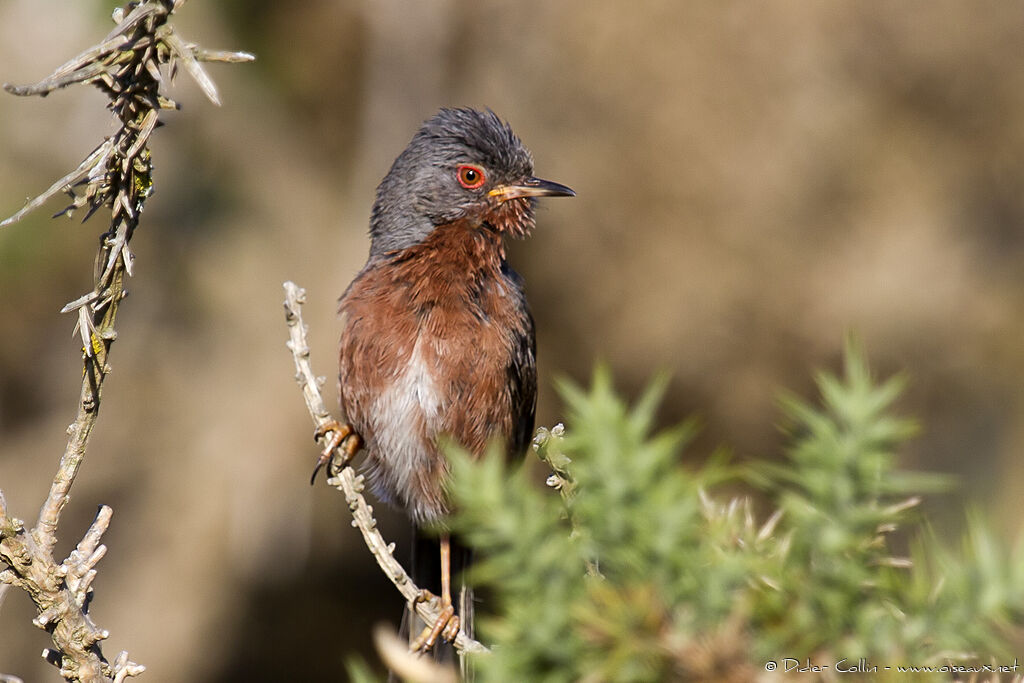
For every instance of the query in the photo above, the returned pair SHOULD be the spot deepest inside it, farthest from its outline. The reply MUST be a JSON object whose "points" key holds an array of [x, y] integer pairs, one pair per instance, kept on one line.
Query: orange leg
{"points": [[447, 624], [340, 434]]}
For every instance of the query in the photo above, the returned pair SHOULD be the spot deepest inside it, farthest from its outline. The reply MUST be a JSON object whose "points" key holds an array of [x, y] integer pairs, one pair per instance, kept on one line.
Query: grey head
{"points": [[462, 164]]}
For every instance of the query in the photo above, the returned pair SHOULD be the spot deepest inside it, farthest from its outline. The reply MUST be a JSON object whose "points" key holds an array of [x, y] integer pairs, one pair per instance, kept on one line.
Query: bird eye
{"points": [[470, 177]]}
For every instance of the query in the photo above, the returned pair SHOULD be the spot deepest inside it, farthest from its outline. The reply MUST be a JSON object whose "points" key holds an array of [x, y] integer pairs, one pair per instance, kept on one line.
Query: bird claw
{"points": [[445, 626], [342, 435], [451, 630]]}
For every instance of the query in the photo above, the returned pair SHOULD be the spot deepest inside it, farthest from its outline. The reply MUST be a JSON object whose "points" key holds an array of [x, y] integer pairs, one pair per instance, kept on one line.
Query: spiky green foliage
{"points": [[641, 570]]}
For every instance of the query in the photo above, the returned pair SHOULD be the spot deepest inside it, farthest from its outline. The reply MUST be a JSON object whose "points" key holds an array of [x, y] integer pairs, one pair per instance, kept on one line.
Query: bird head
{"points": [[462, 164]]}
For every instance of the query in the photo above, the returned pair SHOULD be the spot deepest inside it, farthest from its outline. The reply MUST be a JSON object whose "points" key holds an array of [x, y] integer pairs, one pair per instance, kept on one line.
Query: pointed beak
{"points": [[531, 187]]}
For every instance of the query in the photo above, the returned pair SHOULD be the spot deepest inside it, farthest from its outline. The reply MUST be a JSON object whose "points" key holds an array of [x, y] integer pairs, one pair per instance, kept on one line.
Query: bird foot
{"points": [[446, 625], [340, 435]]}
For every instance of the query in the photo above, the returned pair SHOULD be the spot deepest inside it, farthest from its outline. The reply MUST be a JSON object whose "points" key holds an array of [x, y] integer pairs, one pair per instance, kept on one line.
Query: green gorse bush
{"points": [[645, 570]]}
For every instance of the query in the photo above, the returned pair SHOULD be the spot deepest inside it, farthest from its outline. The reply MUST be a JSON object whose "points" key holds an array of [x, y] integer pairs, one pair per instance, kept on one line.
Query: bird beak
{"points": [[531, 187]]}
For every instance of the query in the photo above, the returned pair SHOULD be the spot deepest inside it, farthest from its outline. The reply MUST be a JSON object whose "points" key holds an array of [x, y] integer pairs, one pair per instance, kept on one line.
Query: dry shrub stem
{"points": [[427, 606], [126, 66]]}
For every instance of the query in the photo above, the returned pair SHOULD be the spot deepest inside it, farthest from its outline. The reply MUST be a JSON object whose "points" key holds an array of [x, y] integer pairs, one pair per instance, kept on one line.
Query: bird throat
{"points": [[454, 255], [513, 217]]}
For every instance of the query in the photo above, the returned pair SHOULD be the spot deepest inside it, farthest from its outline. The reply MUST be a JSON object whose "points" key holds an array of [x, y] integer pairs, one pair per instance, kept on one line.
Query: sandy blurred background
{"points": [[754, 180]]}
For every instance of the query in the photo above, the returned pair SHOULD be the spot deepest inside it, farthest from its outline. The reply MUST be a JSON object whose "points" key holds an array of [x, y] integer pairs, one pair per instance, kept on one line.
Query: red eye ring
{"points": [[470, 177]]}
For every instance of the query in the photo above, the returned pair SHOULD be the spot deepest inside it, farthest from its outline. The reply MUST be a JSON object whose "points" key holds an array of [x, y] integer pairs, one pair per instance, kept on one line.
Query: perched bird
{"points": [[439, 339]]}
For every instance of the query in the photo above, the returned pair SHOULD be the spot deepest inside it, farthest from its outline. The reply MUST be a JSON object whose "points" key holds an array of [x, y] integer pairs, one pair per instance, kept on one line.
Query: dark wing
{"points": [[523, 385]]}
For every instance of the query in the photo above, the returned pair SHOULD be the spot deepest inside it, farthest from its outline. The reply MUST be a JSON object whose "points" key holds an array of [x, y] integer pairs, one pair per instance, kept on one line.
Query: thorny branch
{"points": [[346, 479], [126, 66]]}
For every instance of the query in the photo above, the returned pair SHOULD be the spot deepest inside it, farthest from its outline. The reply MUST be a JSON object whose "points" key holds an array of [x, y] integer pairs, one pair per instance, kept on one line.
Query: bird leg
{"points": [[447, 623], [341, 435]]}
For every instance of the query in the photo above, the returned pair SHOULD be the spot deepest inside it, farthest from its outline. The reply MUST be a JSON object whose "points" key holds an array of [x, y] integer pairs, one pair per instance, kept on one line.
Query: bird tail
{"points": [[426, 573]]}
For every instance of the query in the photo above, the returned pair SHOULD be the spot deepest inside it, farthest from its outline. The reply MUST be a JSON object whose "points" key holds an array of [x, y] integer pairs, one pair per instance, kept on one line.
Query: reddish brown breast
{"points": [[438, 340]]}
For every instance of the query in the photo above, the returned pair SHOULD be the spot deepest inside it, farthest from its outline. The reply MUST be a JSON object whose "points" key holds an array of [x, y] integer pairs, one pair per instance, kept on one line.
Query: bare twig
{"points": [[126, 67], [546, 446], [427, 606], [60, 610], [93, 161]]}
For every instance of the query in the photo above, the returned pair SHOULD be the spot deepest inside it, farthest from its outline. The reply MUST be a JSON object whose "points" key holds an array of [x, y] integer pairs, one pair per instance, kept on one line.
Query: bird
{"points": [[438, 339]]}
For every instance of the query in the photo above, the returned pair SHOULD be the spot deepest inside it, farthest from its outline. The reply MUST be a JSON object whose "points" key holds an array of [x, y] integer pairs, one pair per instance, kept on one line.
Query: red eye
{"points": [[470, 177]]}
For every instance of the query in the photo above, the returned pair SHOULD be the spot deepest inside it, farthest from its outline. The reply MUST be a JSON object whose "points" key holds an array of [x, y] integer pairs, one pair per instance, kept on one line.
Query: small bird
{"points": [[439, 340]]}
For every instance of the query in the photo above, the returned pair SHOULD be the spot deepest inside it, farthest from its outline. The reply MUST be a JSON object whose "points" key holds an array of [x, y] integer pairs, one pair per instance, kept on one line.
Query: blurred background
{"points": [[754, 181]]}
